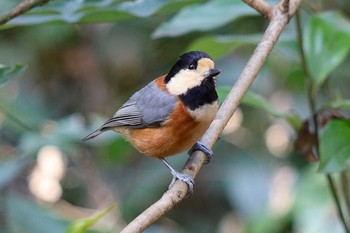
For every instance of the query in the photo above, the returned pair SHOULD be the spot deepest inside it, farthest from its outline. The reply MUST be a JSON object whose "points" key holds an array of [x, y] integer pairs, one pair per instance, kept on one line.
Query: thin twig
{"points": [[312, 98], [308, 80], [264, 8], [331, 184], [174, 195], [15, 119], [345, 188], [21, 9]]}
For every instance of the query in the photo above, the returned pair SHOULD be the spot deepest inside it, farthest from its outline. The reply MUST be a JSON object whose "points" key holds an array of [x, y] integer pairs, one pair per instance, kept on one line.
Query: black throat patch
{"points": [[200, 95]]}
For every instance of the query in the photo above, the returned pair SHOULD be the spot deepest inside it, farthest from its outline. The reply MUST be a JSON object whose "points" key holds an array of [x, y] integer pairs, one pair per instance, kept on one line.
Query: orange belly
{"points": [[172, 138]]}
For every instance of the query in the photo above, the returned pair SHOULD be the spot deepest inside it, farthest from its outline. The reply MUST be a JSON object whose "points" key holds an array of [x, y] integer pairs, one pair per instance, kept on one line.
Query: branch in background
{"points": [[21, 9], [264, 8], [280, 15], [312, 98], [345, 188]]}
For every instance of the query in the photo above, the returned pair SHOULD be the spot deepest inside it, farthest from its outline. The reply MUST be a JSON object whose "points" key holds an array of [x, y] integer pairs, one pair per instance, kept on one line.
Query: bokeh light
{"points": [[281, 192], [44, 180], [277, 139]]}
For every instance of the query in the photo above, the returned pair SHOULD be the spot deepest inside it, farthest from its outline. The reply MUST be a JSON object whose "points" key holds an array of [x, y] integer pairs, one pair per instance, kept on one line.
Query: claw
{"points": [[179, 176], [206, 150], [183, 177]]}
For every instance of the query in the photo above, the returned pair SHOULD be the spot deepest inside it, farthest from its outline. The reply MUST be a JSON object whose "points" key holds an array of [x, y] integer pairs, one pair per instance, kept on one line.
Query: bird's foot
{"points": [[179, 176], [183, 177], [200, 146]]}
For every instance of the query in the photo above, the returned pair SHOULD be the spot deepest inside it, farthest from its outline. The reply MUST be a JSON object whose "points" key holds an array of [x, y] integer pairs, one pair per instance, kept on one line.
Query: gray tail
{"points": [[93, 135]]}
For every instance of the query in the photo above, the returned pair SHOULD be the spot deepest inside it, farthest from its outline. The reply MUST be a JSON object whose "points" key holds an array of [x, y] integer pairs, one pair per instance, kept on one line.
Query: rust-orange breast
{"points": [[178, 134]]}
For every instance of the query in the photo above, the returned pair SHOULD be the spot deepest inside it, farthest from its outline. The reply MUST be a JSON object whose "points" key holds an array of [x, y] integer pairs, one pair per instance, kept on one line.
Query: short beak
{"points": [[213, 73]]}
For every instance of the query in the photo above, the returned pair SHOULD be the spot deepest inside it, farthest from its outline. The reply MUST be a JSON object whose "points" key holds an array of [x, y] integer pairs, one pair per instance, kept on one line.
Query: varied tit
{"points": [[171, 113]]}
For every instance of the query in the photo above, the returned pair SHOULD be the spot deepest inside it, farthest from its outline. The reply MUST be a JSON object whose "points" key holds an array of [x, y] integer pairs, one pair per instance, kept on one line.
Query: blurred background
{"points": [[75, 62]]}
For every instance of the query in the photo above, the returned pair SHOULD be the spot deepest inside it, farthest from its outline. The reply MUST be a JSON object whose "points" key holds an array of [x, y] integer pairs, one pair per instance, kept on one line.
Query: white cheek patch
{"points": [[183, 81], [205, 113]]}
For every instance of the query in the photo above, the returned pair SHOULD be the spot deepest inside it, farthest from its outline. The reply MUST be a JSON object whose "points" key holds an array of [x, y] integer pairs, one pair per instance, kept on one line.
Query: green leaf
{"points": [[143, 8], [334, 146], [257, 101], [7, 72], [253, 100], [339, 104], [92, 11], [74, 11], [82, 225], [326, 44], [218, 46], [204, 17]]}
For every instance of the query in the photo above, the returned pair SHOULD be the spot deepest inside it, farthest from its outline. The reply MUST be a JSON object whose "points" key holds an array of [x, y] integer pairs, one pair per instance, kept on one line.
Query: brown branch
{"points": [[21, 9], [279, 19], [261, 6]]}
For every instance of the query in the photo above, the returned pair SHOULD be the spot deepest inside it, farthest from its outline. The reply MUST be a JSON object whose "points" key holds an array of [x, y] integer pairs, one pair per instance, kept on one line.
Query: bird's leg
{"points": [[200, 146], [180, 176]]}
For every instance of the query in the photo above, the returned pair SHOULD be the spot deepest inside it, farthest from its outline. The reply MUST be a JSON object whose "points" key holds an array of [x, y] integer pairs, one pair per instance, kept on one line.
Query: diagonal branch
{"points": [[21, 9], [264, 8], [280, 15]]}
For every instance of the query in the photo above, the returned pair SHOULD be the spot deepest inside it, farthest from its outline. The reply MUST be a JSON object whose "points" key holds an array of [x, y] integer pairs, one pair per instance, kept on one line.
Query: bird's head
{"points": [[190, 71]]}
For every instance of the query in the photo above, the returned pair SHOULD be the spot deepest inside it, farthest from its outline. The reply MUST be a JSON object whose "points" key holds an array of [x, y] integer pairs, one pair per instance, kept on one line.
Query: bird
{"points": [[171, 113]]}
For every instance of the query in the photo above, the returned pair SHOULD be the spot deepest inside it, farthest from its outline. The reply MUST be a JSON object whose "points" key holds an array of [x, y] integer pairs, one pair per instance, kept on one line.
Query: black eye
{"points": [[192, 66]]}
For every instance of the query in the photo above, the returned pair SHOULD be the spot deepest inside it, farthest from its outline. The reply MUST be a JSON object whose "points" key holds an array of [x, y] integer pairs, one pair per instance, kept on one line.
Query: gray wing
{"points": [[149, 107]]}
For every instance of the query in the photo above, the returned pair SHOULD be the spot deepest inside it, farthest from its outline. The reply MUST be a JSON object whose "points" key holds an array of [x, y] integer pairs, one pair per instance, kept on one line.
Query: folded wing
{"points": [[149, 107]]}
